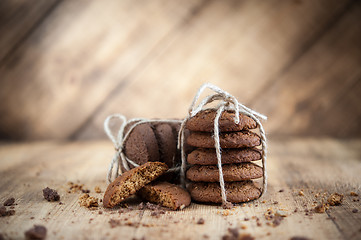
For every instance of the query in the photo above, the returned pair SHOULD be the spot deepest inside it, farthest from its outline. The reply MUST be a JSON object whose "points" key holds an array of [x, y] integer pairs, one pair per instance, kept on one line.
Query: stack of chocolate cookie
{"points": [[238, 148]]}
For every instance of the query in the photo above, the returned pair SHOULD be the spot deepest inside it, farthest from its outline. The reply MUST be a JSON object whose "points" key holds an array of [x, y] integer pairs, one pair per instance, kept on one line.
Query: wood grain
{"points": [[17, 21], [312, 165], [320, 97], [75, 58], [72, 66]]}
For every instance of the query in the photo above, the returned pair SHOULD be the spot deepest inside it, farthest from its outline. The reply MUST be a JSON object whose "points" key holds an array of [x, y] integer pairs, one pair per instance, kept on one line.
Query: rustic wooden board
{"points": [[313, 165]]}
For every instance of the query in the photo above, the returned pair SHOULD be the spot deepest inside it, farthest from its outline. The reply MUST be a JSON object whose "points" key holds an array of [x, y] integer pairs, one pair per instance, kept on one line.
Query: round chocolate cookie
{"points": [[226, 140], [204, 122], [236, 191], [142, 145], [167, 143], [207, 156], [231, 172]]}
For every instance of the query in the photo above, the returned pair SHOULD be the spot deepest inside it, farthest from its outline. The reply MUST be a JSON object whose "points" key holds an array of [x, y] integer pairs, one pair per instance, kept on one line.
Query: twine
{"points": [[226, 102], [120, 139]]}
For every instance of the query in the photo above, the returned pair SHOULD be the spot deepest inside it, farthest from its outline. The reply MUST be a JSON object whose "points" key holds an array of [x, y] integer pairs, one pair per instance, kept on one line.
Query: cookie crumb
{"points": [[335, 199], [321, 208], [87, 201], [37, 232], [5, 213], [200, 221], [353, 194], [114, 223], [9, 202], [246, 237], [97, 189], [51, 195], [300, 193], [227, 205]]}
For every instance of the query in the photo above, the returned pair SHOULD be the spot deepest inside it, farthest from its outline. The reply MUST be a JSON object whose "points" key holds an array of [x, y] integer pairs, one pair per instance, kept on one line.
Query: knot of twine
{"points": [[226, 102], [119, 140]]}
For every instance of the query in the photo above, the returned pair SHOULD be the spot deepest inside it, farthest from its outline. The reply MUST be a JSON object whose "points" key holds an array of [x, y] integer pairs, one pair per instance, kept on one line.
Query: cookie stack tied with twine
{"points": [[139, 141], [222, 168]]}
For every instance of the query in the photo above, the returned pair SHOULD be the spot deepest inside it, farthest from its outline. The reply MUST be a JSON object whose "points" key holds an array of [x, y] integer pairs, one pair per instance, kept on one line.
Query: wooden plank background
{"points": [[66, 65]]}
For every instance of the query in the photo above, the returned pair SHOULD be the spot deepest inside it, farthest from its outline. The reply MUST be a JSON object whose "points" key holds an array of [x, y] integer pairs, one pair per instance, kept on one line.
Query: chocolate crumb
{"points": [[299, 238], [100, 212], [275, 202], [5, 213], [353, 194], [277, 221], [37, 232], [85, 191], [9, 202], [246, 219], [335, 199], [114, 223], [354, 210], [281, 190], [50, 194], [227, 205], [200, 221], [2, 237]]}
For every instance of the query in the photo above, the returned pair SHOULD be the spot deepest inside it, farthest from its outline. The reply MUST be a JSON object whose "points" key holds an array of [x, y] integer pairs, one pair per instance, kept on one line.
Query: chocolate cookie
{"points": [[231, 172], [204, 122], [130, 182], [167, 143], [207, 156], [166, 194], [236, 191], [226, 140], [141, 145]]}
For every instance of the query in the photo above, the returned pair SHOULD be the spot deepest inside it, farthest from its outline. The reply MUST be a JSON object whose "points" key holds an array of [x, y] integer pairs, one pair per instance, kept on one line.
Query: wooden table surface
{"points": [[314, 166]]}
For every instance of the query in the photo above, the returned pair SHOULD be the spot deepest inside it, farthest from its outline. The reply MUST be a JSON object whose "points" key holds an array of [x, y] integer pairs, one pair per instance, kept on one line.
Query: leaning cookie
{"points": [[207, 156], [204, 122], [166, 194], [130, 182], [142, 145], [231, 172], [227, 140], [236, 192]]}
